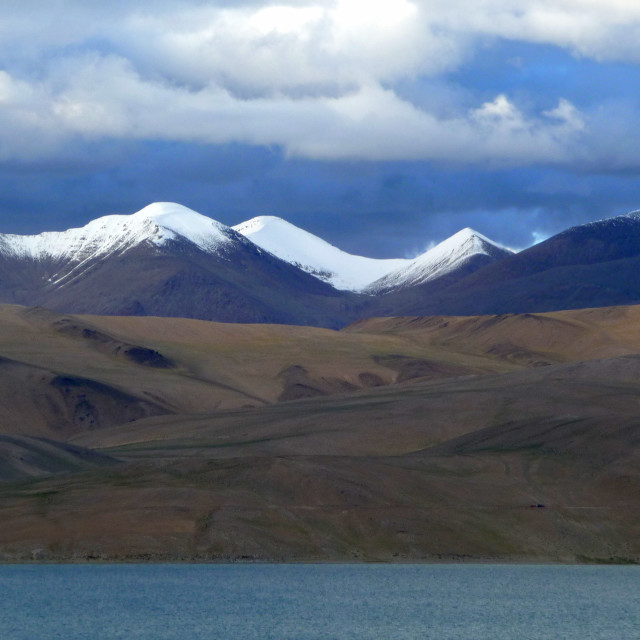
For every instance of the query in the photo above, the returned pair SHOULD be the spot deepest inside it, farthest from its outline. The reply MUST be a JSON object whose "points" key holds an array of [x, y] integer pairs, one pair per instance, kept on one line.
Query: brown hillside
{"points": [[530, 338], [410, 438]]}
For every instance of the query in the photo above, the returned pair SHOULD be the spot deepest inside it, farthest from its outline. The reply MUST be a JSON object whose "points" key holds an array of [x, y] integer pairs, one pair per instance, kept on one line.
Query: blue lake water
{"points": [[313, 602]]}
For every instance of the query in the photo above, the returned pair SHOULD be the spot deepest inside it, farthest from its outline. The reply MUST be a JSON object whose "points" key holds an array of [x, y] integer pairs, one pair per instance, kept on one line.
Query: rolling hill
{"points": [[450, 438]]}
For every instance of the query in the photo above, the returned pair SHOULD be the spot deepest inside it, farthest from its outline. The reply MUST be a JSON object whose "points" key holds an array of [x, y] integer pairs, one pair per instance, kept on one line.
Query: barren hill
{"points": [[501, 438]]}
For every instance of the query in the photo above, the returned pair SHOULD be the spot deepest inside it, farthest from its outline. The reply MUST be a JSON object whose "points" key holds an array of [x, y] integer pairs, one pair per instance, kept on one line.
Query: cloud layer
{"points": [[319, 79]]}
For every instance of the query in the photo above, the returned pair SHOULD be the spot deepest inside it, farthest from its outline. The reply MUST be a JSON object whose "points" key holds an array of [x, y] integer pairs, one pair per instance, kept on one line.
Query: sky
{"points": [[383, 126]]}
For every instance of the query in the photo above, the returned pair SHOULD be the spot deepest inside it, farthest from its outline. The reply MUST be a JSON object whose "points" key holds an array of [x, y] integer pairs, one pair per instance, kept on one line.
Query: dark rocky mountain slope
{"points": [[593, 265], [168, 261]]}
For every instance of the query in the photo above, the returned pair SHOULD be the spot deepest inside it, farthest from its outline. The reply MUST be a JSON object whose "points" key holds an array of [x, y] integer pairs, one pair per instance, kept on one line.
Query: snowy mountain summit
{"points": [[460, 250], [68, 256], [157, 223], [314, 255]]}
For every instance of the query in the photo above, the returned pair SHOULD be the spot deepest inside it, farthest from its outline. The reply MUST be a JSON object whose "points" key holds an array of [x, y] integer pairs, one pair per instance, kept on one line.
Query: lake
{"points": [[314, 602]]}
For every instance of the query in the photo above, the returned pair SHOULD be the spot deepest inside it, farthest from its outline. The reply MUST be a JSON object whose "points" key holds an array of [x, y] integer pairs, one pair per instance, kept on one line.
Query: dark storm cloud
{"points": [[378, 209], [382, 125]]}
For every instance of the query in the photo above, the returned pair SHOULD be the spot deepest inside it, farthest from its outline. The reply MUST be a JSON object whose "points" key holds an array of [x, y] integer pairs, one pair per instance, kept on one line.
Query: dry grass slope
{"points": [[497, 438]]}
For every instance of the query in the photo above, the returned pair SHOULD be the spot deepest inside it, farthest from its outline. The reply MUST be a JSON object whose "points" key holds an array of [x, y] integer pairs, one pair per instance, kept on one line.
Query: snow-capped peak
{"points": [[157, 223], [467, 241], [314, 255], [173, 220], [440, 260]]}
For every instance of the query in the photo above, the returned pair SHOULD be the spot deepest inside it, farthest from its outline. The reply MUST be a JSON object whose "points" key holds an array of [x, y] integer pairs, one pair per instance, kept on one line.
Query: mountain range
{"points": [[167, 260], [164, 260]]}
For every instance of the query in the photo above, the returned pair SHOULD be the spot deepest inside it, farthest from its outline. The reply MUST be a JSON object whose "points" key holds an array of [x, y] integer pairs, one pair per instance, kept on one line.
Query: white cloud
{"points": [[567, 113], [538, 236], [106, 97], [302, 50], [500, 114], [316, 77], [378, 39]]}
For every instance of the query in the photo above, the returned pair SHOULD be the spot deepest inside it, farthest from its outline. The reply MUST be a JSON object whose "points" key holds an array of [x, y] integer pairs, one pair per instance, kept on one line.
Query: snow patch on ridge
{"points": [[314, 255], [610, 222]]}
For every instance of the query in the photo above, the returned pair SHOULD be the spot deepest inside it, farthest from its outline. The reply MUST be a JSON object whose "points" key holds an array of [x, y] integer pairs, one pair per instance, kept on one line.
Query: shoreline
{"points": [[616, 561]]}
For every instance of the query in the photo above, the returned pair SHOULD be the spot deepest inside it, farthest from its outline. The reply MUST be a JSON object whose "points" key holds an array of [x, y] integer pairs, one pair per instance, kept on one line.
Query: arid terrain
{"points": [[510, 438]]}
